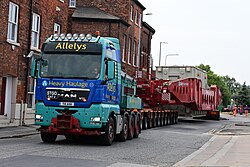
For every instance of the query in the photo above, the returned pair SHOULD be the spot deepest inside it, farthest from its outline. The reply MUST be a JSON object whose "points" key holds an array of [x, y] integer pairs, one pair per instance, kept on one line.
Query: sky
{"points": [[210, 32]]}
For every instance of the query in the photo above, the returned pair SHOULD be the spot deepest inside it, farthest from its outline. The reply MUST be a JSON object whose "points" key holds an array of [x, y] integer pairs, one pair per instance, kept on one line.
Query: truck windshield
{"points": [[70, 66]]}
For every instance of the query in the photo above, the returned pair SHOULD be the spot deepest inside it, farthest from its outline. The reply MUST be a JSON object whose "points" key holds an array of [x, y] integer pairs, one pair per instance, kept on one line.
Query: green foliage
{"points": [[243, 95]]}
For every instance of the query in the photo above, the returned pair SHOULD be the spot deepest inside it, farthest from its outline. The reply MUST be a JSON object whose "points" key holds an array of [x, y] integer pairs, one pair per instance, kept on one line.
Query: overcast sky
{"points": [[211, 32]]}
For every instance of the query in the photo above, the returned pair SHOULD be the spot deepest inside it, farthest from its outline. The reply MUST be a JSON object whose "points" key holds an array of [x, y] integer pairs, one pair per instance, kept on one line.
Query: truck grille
{"points": [[67, 95]]}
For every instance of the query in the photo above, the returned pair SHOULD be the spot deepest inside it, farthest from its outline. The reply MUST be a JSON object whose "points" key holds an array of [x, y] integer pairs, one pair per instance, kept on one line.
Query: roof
{"points": [[95, 14], [139, 4], [147, 26], [92, 13]]}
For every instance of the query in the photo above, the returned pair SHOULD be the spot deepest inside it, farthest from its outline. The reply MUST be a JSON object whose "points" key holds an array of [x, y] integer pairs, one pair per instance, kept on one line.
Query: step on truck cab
{"points": [[81, 90]]}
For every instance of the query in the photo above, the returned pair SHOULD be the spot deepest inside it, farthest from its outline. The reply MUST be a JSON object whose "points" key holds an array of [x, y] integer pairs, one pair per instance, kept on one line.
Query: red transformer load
{"points": [[178, 90]]}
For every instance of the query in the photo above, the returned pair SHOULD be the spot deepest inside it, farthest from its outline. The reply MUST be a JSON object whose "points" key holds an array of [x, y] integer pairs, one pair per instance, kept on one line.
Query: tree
{"points": [[243, 96], [233, 86]]}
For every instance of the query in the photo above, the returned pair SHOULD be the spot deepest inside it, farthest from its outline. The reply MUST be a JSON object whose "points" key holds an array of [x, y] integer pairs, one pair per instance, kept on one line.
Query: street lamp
{"points": [[160, 52], [169, 55], [139, 41]]}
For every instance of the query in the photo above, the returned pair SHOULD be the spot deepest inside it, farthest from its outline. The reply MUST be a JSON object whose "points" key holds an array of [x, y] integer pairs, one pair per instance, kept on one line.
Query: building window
{"points": [[139, 20], [134, 54], [13, 22], [35, 31], [57, 28], [136, 17], [131, 13], [129, 50], [72, 3], [124, 48]]}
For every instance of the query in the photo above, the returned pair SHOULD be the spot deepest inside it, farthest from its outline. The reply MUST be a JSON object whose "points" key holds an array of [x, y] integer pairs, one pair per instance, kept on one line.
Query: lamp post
{"points": [[139, 42], [160, 52], [169, 55]]}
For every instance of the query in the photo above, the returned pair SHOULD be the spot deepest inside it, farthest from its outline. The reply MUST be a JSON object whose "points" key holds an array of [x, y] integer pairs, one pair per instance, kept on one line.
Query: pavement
{"points": [[229, 146]]}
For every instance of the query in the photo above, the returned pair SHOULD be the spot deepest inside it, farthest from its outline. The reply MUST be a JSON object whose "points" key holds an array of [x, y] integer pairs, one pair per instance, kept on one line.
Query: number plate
{"points": [[67, 104]]}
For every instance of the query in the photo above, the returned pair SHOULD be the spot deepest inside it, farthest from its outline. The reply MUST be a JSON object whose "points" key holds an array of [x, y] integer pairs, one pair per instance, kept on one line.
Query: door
{"points": [[3, 91]]}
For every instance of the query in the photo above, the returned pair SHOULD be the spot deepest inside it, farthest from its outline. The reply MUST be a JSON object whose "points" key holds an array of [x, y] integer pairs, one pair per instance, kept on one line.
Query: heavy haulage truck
{"points": [[81, 90]]}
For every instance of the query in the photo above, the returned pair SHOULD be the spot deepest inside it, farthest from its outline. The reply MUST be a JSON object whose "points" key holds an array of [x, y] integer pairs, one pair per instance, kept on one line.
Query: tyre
{"points": [[145, 123], [165, 120], [48, 137], [176, 118], [169, 118], [124, 133], [150, 124], [108, 138], [137, 126], [154, 122], [131, 128]]}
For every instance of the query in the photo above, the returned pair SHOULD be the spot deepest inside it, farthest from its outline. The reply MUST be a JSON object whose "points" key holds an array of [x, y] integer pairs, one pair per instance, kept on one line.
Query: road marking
{"points": [[127, 165]]}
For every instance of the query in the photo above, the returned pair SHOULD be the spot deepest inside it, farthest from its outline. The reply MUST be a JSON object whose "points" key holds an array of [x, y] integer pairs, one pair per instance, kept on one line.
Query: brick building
{"points": [[25, 25]]}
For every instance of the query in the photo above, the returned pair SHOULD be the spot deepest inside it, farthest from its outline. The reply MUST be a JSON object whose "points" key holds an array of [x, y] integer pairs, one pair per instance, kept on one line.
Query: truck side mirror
{"points": [[34, 64], [33, 68], [111, 70]]}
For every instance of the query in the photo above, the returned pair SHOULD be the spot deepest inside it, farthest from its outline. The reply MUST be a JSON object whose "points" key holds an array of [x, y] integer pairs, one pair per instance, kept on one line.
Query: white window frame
{"points": [[57, 28], [13, 22], [139, 20], [124, 48], [129, 49], [35, 31], [134, 54], [72, 3], [136, 17], [131, 13]]}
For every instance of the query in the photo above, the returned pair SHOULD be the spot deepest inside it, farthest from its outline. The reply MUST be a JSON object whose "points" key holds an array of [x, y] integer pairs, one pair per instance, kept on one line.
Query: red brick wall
{"points": [[119, 8]]}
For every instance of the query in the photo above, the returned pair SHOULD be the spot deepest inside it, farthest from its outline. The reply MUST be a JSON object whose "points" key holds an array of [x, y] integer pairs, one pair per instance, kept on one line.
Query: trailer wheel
{"points": [[108, 137], [150, 124], [176, 118], [159, 121], [172, 118], [165, 119], [124, 133], [48, 137], [154, 122], [145, 123], [169, 118], [137, 126], [131, 127]]}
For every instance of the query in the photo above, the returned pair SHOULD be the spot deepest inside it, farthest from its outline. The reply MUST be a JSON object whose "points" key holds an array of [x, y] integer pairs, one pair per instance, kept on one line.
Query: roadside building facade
{"points": [[25, 25]]}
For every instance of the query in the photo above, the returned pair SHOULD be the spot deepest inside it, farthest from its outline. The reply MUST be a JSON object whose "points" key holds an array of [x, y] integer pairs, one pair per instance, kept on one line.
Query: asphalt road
{"points": [[162, 146]]}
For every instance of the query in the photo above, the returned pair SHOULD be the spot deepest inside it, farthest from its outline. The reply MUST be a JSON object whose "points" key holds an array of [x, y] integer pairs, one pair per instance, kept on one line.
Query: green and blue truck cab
{"points": [[81, 90]]}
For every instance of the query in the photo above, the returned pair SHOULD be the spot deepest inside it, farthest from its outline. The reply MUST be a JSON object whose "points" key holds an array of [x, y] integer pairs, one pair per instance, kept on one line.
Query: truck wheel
{"points": [[124, 133], [137, 126], [108, 137], [48, 137], [145, 123], [131, 128]]}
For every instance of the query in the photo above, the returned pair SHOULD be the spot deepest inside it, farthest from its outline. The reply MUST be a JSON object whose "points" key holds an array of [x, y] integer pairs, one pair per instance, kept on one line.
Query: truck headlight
{"points": [[95, 119], [39, 116]]}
